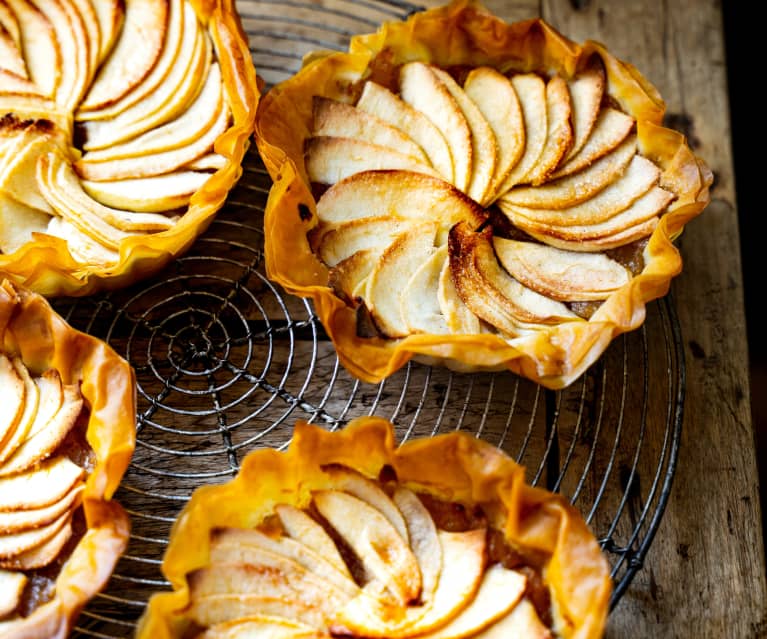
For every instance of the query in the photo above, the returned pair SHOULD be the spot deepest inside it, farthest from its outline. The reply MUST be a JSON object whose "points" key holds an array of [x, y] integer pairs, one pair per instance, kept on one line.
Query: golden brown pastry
{"points": [[482, 194]]}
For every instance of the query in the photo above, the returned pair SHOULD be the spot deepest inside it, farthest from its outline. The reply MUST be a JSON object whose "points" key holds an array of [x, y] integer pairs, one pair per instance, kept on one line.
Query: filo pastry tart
{"points": [[348, 534], [481, 194], [123, 125], [67, 433]]}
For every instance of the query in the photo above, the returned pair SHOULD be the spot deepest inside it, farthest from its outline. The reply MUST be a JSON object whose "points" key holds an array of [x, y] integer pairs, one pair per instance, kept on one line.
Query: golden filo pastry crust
{"points": [[107, 231], [232, 526], [557, 186], [74, 564]]}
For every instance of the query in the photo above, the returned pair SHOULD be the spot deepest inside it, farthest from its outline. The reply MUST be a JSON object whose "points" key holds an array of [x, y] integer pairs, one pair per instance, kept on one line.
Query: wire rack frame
{"points": [[226, 362]]}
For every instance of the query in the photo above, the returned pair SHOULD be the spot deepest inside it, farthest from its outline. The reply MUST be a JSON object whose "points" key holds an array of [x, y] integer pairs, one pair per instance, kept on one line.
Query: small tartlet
{"points": [[331, 167], [250, 552], [97, 447], [118, 178]]}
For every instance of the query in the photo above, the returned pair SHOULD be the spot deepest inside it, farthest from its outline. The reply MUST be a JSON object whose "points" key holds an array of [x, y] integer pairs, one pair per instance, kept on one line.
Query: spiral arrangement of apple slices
{"points": [[108, 114], [364, 559], [490, 204], [40, 486]]}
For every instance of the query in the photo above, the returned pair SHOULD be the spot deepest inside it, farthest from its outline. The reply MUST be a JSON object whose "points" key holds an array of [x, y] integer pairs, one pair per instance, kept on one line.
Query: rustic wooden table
{"points": [[267, 363]]}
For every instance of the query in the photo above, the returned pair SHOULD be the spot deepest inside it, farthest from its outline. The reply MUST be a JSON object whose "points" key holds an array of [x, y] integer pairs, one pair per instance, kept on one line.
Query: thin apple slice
{"points": [[65, 190], [209, 162], [424, 540], [639, 178], [347, 278], [209, 610], [153, 194], [90, 21], [347, 238], [332, 118], [110, 15], [39, 47], [419, 304], [43, 443], [424, 91], [50, 399], [531, 91], [610, 129], [484, 148], [170, 51], [16, 521], [303, 528], [225, 541], [80, 246], [577, 187], [261, 627], [13, 544], [458, 316], [384, 554], [11, 60], [491, 293], [329, 160], [586, 91], [182, 131], [10, 25], [35, 107], [384, 104], [463, 565], [44, 553], [13, 439], [392, 272], [134, 54], [171, 97], [559, 133], [11, 587], [11, 81], [357, 485], [14, 397], [522, 621], [497, 100], [567, 276]]}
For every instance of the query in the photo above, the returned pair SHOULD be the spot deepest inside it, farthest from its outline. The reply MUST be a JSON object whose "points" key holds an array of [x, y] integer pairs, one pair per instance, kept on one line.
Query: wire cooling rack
{"points": [[226, 362]]}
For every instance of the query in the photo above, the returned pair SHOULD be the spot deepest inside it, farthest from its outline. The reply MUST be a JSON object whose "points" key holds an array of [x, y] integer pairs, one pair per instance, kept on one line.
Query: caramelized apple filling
{"points": [[465, 200], [369, 558], [107, 126], [44, 460]]}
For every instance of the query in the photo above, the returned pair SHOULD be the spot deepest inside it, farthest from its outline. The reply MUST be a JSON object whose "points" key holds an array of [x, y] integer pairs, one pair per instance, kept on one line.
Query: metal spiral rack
{"points": [[226, 362]]}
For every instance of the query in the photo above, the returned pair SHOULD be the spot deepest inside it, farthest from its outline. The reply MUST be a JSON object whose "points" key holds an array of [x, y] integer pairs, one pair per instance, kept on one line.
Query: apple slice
{"points": [[610, 129], [489, 291], [586, 91], [44, 553], [170, 50], [171, 97], [522, 621], [35, 107], [183, 131], [153, 194], [12, 544], [347, 238], [14, 437], [232, 544], [209, 610], [209, 162], [9, 25], [458, 316], [12, 61], [87, 14], [14, 397], [422, 89], [12, 81], [484, 148], [391, 274], [135, 52], [81, 247], [348, 277], [11, 587], [19, 520], [261, 627], [50, 399], [531, 91], [332, 118], [497, 100], [110, 15], [566, 276], [577, 187], [39, 47], [39, 446], [559, 133], [303, 528], [382, 550], [463, 565], [384, 104], [419, 304]]}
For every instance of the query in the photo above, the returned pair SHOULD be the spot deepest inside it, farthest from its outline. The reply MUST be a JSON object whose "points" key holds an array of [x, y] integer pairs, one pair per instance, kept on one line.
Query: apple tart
{"points": [[477, 193], [123, 124], [348, 534], [67, 432]]}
